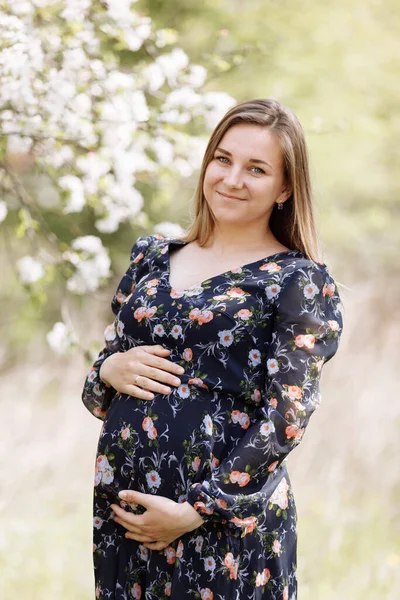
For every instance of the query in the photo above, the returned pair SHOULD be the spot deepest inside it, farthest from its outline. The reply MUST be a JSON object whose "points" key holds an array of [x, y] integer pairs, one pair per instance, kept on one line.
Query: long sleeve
{"points": [[96, 395], [306, 329]]}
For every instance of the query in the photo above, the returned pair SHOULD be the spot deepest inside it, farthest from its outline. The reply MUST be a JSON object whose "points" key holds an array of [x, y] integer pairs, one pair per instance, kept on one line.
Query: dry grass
{"points": [[345, 474]]}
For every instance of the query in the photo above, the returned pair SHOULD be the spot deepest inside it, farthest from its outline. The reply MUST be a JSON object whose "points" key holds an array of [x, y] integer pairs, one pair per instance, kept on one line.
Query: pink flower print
{"points": [[138, 258], [270, 267], [206, 594], [170, 555], [152, 283], [196, 464], [273, 402], [147, 423], [143, 552], [244, 420], [307, 341], [205, 317], [256, 396], [236, 292], [203, 508], [294, 431], [194, 314], [179, 549], [334, 325], [273, 466], [285, 595], [229, 560], [152, 433], [244, 314], [280, 495], [214, 462], [175, 294], [263, 578], [221, 503], [168, 589], [220, 298], [328, 289], [136, 591], [241, 479], [152, 291], [150, 312], [140, 313], [235, 416], [187, 354], [199, 382], [276, 546], [294, 392], [125, 433]]}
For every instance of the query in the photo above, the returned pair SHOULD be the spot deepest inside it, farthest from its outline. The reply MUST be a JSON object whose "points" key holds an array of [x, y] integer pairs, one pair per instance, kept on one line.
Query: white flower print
{"points": [[208, 425], [153, 480], [108, 476], [310, 289], [120, 328], [273, 291], [209, 563], [267, 428], [143, 552], [183, 390], [97, 522], [159, 330], [176, 331], [199, 543], [280, 495], [225, 337], [272, 366], [254, 357], [194, 291]]}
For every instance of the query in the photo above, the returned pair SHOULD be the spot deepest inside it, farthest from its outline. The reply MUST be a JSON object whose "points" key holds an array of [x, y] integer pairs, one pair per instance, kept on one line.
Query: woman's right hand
{"points": [[139, 371]]}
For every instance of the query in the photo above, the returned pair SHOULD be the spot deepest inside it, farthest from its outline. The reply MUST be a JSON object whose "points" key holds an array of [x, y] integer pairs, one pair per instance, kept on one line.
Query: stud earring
{"points": [[280, 205]]}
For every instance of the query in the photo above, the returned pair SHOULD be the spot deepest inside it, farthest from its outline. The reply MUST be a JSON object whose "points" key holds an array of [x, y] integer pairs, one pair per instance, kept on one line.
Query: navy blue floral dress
{"points": [[252, 342]]}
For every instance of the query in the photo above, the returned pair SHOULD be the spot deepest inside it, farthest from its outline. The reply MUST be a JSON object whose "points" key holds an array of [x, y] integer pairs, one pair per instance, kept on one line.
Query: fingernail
{"points": [[122, 495], [180, 370]]}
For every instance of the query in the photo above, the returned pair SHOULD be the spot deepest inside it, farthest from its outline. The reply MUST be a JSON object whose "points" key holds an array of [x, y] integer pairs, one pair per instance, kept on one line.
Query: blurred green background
{"points": [[336, 64]]}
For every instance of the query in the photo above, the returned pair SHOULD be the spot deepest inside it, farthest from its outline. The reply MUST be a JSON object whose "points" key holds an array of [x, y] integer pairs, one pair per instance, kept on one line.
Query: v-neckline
{"points": [[177, 241]]}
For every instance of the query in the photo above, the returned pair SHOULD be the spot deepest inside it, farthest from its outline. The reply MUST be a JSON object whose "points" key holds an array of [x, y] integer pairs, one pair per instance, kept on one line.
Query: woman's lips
{"points": [[230, 197]]}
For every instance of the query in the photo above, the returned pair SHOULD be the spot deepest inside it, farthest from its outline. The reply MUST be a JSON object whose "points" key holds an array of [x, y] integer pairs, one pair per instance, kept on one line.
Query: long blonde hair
{"points": [[293, 226]]}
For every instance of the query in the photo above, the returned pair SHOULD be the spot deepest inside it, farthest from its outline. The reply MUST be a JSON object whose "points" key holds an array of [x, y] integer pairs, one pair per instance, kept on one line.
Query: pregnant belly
{"points": [[158, 447]]}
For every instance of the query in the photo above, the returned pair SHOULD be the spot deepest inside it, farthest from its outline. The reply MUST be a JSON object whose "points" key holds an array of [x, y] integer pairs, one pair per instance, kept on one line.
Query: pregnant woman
{"points": [[209, 376]]}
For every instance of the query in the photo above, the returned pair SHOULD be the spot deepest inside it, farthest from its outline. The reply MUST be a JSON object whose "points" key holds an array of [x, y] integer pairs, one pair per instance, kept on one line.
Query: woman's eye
{"points": [[259, 170], [223, 157]]}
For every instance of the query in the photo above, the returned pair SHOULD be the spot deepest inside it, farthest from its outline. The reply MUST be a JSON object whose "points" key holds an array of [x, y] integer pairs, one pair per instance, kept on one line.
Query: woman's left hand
{"points": [[163, 522]]}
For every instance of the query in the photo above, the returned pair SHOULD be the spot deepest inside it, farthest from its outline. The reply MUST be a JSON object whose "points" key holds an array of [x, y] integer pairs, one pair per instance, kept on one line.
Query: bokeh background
{"points": [[336, 64]]}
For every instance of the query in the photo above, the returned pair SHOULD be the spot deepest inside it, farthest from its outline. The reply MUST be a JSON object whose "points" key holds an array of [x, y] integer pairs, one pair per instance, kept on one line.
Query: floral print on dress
{"points": [[253, 342]]}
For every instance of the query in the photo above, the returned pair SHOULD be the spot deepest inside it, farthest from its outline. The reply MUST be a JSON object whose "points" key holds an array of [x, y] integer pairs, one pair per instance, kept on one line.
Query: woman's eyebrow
{"points": [[252, 160]]}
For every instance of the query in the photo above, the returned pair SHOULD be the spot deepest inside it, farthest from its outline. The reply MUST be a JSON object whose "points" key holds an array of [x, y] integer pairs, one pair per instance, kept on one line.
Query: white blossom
{"points": [[30, 269], [76, 194], [60, 338], [3, 210], [168, 229]]}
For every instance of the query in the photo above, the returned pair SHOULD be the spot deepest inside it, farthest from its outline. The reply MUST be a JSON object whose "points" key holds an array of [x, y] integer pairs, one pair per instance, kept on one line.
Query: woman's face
{"points": [[245, 176]]}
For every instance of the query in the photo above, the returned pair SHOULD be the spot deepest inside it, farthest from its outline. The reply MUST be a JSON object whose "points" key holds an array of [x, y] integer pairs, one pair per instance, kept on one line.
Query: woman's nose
{"points": [[233, 178]]}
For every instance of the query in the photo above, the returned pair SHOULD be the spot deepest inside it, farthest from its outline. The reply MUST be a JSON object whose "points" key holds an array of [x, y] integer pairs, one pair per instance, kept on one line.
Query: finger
{"points": [[134, 520], [136, 392], [155, 375], [148, 380], [134, 497], [156, 545], [132, 528], [164, 364], [157, 349], [139, 538]]}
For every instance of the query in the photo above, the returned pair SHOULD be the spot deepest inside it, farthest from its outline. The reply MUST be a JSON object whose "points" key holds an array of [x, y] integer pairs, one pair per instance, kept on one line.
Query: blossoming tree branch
{"points": [[93, 101]]}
